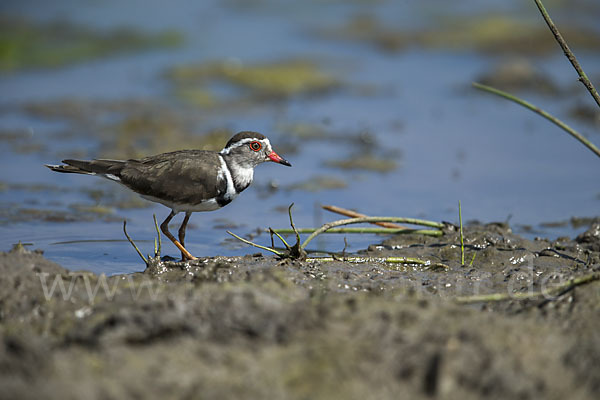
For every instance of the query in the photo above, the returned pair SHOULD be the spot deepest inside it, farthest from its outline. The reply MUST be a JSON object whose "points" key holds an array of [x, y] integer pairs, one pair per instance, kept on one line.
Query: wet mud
{"points": [[259, 327]]}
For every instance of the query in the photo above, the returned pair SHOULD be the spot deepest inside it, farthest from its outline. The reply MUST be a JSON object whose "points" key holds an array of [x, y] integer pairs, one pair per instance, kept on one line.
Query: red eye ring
{"points": [[255, 146]]}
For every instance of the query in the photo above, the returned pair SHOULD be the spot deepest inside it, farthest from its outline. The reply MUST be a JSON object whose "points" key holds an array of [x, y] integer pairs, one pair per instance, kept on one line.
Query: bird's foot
{"points": [[187, 256]]}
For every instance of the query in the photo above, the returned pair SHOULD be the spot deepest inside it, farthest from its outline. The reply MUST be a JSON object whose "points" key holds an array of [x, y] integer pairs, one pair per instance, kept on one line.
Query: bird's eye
{"points": [[256, 146]]}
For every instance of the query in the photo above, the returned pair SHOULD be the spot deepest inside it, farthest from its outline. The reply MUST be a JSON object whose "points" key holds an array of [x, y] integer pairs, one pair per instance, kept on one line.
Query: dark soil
{"points": [[257, 327]]}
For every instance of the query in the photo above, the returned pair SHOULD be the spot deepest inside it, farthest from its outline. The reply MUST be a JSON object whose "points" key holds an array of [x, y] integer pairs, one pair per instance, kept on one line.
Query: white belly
{"points": [[208, 205]]}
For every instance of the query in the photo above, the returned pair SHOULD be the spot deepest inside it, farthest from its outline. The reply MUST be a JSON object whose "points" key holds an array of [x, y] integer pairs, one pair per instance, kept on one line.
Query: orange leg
{"points": [[164, 227]]}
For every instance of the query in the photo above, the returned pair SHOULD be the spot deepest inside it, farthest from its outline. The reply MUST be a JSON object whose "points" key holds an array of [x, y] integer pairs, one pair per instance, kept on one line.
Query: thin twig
{"points": [[565, 47], [541, 112], [384, 231], [273, 232], [132, 243], [350, 221], [292, 224], [462, 242], [256, 245], [472, 260], [354, 214], [344, 249], [297, 251], [525, 296], [294, 251]]}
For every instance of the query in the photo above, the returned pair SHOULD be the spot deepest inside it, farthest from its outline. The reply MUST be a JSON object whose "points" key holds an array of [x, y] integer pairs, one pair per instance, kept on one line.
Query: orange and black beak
{"points": [[278, 159]]}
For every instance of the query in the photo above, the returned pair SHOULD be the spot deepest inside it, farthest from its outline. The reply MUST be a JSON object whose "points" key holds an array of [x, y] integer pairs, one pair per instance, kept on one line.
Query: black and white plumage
{"points": [[186, 180]]}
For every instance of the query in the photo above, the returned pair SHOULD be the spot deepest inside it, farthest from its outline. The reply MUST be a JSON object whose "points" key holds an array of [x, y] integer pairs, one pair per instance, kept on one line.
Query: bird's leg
{"points": [[164, 227], [182, 229]]}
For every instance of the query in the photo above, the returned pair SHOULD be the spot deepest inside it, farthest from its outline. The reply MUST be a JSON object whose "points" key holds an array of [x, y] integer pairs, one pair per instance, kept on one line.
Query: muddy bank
{"points": [[257, 327]]}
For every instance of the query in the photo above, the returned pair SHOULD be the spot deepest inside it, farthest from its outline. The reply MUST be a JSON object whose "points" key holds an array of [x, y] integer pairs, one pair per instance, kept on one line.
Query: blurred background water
{"points": [[371, 101]]}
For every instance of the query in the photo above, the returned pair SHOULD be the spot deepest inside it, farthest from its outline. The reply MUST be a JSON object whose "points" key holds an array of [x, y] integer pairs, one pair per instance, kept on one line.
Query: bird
{"points": [[185, 180]]}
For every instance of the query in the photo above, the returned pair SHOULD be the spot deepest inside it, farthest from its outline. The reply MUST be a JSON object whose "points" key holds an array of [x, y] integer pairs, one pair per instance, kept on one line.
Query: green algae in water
{"points": [[13, 213], [269, 80], [318, 183], [518, 75], [24, 44], [305, 131], [21, 141], [506, 34], [490, 33], [365, 162], [129, 128], [141, 135]]}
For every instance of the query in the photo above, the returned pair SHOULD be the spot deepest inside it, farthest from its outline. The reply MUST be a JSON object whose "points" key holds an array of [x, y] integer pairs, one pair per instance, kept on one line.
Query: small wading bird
{"points": [[186, 180]]}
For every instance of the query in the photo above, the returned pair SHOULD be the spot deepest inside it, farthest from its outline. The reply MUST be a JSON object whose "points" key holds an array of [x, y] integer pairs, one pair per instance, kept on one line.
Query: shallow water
{"points": [[413, 106]]}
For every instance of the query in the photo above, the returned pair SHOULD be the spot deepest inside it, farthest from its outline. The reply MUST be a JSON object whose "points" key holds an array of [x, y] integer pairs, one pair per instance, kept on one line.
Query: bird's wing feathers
{"points": [[186, 176]]}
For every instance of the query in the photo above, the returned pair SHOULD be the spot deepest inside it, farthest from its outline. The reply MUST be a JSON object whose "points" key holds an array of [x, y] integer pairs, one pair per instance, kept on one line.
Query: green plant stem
{"points": [[525, 296], [565, 47], [132, 242], [256, 245], [428, 232], [297, 251], [472, 260], [293, 226], [350, 221], [541, 112], [273, 232], [462, 242]]}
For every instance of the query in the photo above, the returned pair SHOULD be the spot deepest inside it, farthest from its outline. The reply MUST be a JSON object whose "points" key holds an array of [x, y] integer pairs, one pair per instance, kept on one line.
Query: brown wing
{"points": [[186, 176]]}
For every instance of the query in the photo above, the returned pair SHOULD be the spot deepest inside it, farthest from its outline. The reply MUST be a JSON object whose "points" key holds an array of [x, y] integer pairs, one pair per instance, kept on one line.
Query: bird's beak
{"points": [[278, 159]]}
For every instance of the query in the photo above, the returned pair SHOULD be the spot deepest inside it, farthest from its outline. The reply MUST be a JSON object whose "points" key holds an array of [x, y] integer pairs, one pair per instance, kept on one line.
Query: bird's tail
{"points": [[108, 168]]}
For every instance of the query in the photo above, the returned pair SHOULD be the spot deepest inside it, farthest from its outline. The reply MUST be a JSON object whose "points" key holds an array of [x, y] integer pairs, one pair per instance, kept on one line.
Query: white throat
{"points": [[242, 176]]}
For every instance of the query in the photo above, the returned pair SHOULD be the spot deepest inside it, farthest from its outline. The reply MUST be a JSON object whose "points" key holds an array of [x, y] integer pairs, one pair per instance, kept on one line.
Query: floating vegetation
{"points": [[130, 128], [310, 131], [198, 96], [585, 113], [318, 183], [93, 209], [367, 162], [25, 44], [259, 81], [517, 75], [143, 134], [15, 214], [85, 111], [305, 131], [21, 141], [497, 33]]}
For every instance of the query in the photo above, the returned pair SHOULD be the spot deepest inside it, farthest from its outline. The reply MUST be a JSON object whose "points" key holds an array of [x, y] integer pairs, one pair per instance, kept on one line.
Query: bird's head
{"points": [[249, 149]]}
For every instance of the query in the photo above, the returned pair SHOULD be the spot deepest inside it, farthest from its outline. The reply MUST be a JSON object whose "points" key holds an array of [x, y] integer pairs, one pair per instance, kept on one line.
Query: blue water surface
{"points": [[449, 141]]}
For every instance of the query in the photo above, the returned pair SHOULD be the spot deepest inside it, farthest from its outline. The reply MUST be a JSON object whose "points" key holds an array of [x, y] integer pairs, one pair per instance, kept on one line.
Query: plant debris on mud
{"points": [[258, 327]]}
